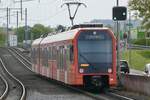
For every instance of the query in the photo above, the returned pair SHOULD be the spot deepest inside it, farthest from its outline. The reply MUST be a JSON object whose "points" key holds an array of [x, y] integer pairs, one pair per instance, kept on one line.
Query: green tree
{"points": [[2, 36], [143, 9], [33, 32], [37, 30], [20, 33], [2, 39], [60, 28]]}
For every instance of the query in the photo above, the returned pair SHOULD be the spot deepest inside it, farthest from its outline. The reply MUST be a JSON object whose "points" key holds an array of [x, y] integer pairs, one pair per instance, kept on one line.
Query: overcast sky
{"points": [[49, 12]]}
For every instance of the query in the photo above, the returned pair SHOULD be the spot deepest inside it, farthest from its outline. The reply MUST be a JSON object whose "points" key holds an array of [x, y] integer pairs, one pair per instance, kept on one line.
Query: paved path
{"points": [[137, 72]]}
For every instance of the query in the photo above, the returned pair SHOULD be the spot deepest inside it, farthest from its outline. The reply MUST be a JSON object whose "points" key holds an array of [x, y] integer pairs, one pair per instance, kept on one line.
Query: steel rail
{"points": [[66, 86], [12, 52], [6, 88], [21, 56], [23, 96], [97, 97], [119, 96]]}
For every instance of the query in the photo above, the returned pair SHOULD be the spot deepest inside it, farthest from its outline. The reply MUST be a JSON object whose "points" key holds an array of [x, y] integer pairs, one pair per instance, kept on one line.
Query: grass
{"points": [[2, 43], [2, 40], [138, 58]]}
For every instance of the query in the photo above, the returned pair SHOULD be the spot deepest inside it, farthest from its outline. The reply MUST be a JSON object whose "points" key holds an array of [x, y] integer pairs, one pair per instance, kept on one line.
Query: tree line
{"points": [[33, 32], [36, 31]]}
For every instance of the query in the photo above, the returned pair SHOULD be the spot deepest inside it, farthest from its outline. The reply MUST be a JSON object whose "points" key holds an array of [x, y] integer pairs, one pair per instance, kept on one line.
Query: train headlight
{"points": [[84, 65], [81, 70], [109, 70], [111, 79]]}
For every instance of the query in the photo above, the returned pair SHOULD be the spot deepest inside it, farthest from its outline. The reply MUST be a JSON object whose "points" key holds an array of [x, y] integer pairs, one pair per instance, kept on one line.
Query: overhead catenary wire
{"points": [[50, 17], [48, 4], [1, 17]]}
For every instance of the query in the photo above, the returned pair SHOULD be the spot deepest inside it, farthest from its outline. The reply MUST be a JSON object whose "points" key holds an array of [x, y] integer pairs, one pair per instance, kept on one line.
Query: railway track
{"points": [[27, 63], [4, 87], [102, 96], [14, 88]]}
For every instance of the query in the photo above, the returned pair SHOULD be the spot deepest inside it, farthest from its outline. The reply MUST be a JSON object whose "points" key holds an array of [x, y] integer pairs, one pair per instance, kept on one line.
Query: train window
{"points": [[58, 57], [46, 55], [71, 53], [64, 57], [68, 56], [95, 51], [42, 56], [54, 53], [35, 54], [49, 54], [61, 57], [38, 55]]}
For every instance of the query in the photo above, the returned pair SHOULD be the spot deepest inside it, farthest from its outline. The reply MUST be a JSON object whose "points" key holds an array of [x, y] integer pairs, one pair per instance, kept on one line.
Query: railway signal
{"points": [[119, 14]]}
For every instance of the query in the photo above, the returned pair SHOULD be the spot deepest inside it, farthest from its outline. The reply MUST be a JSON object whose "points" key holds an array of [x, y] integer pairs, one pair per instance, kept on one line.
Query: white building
{"points": [[12, 40]]}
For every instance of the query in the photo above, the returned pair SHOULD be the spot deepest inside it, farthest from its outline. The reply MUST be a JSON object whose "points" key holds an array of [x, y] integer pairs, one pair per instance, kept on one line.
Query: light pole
{"points": [[7, 36], [129, 39], [118, 50]]}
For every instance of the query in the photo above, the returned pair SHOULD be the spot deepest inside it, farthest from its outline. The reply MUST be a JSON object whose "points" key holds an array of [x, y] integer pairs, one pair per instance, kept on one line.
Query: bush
{"points": [[138, 58], [2, 39], [145, 54], [141, 42]]}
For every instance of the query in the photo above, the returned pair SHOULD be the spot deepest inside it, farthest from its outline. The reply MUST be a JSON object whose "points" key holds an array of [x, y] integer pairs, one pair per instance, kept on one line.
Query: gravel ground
{"points": [[37, 87], [133, 95]]}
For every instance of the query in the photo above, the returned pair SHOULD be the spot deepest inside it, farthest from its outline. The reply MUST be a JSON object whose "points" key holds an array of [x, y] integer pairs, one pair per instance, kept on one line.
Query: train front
{"points": [[96, 57]]}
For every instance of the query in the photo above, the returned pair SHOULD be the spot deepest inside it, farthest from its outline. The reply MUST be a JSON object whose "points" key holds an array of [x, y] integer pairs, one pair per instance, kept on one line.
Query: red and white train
{"points": [[82, 56]]}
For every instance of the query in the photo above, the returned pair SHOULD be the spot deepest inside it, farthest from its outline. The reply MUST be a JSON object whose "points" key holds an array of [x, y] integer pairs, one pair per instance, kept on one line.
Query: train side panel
{"points": [[59, 61]]}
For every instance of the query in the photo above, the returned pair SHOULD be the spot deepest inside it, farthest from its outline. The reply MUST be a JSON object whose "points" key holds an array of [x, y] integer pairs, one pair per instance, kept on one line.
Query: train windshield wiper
{"points": [[84, 58]]}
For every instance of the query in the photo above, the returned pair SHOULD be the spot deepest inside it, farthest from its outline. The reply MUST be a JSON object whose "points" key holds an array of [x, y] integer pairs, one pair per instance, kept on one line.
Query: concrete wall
{"points": [[136, 83]]}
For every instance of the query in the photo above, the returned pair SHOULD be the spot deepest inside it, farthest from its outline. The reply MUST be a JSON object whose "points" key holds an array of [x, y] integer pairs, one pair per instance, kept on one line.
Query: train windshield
{"points": [[95, 51]]}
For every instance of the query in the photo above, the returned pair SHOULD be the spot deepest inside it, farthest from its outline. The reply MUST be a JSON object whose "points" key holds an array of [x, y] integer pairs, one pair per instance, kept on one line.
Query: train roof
{"points": [[67, 35], [37, 41]]}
